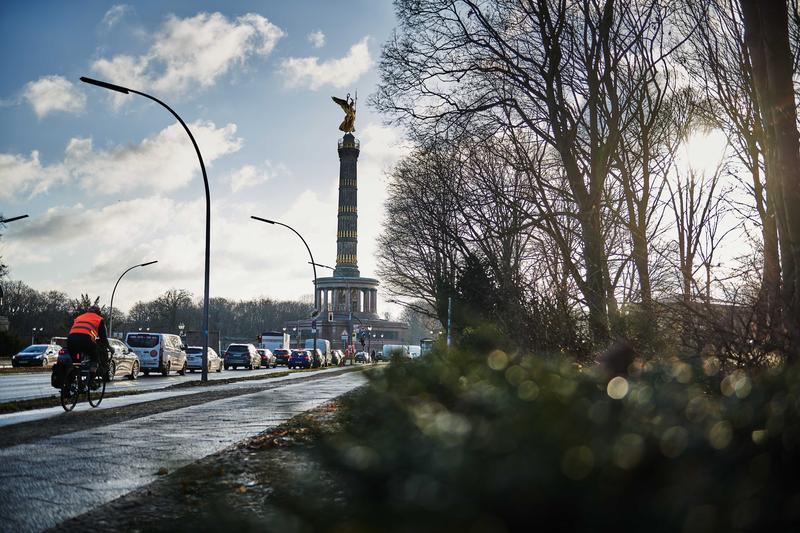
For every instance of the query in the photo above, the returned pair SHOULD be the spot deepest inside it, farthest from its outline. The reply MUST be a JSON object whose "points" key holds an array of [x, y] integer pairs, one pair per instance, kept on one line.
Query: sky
{"points": [[111, 180]]}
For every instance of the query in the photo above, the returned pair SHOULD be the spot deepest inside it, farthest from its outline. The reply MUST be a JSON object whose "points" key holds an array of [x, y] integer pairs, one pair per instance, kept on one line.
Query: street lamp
{"points": [[111, 306], [33, 334], [125, 90], [12, 219], [313, 265]]}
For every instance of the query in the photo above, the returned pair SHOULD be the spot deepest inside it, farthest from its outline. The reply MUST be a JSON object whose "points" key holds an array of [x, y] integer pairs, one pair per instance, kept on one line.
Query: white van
{"points": [[392, 349], [158, 352]]}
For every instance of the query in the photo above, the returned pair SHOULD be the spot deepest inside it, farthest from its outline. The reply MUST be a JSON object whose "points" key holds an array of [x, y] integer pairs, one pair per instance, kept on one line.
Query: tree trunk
{"points": [[767, 37], [596, 266], [769, 304]]}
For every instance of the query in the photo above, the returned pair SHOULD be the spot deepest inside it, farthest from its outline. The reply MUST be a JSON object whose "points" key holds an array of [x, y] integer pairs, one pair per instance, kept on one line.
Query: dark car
{"points": [[300, 359], [267, 358], [244, 355], [282, 356], [363, 357], [37, 355]]}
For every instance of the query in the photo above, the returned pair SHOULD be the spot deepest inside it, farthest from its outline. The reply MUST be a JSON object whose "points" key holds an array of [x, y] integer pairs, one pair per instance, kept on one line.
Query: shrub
{"points": [[492, 441]]}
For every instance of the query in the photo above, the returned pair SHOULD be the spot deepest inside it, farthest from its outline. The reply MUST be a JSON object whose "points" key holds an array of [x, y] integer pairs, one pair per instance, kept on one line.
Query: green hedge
{"points": [[487, 441]]}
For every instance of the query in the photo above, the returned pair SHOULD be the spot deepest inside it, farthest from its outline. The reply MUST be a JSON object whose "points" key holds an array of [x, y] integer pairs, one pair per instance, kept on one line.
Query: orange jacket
{"points": [[87, 324]]}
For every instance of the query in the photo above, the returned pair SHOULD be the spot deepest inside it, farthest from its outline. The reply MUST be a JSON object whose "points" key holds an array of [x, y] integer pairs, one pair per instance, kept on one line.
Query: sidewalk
{"points": [[53, 475]]}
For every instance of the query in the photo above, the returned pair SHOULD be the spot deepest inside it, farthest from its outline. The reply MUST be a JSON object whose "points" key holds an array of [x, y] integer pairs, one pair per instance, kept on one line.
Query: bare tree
{"points": [[419, 246], [697, 204], [719, 63], [552, 68], [767, 37]]}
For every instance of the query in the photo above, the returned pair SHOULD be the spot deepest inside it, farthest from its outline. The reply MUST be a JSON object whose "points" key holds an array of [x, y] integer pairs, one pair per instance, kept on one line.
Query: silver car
{"points": [[194, 359]]}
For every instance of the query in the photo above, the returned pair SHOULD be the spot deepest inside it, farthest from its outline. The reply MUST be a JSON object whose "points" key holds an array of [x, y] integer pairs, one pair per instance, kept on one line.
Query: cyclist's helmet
{"points": [[94, 309]]}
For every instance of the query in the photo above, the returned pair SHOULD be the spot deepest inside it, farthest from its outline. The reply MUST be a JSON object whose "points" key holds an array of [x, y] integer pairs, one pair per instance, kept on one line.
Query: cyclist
{"points": [[87, 331]]}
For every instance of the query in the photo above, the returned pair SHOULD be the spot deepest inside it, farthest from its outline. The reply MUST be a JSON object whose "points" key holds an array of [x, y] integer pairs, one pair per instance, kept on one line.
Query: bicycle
{"points": [[80, 379]]}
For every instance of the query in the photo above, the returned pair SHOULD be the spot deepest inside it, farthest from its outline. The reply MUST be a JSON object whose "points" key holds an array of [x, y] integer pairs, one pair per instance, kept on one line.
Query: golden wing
{"points": [[344, 104]]}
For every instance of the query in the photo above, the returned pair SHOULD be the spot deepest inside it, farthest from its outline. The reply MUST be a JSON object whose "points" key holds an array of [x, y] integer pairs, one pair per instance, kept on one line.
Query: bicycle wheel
{"points": [[70, 390], [95, 388]]}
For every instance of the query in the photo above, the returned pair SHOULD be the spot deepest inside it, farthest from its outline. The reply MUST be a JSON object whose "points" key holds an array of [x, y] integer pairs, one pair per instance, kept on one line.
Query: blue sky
{"points": [[253, 80]]}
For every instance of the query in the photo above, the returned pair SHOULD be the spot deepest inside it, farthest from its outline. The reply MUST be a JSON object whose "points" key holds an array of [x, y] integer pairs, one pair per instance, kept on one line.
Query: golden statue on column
{"points": [[348, 105]]}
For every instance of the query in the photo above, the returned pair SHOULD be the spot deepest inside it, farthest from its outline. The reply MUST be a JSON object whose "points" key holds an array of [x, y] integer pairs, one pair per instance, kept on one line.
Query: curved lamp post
{"points": [[125, 90], [12, 219], [313, 265], [111, 306]]}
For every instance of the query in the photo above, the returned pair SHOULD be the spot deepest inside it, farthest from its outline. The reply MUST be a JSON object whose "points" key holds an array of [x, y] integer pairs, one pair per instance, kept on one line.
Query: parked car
{"points": [[267, 357], [282, 356], [244, 355], [43, 355], [337, 357], [194, 359], [318, 359], [158, 352], [300, 359], [124, 361], [363, 357]]}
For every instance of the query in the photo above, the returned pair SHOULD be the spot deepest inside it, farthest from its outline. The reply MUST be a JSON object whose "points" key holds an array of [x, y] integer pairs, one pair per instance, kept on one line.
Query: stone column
{"points": [[347, 226]]}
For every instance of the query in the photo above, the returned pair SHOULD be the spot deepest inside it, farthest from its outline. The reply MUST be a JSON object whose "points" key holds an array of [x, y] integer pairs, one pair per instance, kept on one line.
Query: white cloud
{"points": [[163, 162], [316, 38], [251, 175], [192, 53], [171, 231], [20, 174], [114, 15], [54, 93], [381, 148], [338, 73]]}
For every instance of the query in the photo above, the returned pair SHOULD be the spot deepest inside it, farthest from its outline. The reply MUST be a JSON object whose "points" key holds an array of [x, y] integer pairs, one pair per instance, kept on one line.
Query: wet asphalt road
{"points": [[30, 385], [55, 478]]}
